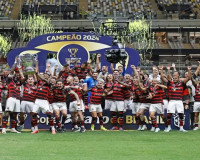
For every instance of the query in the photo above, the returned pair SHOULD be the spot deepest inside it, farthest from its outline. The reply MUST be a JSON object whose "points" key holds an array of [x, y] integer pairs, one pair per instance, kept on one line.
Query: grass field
{"points": [[97, 145]]}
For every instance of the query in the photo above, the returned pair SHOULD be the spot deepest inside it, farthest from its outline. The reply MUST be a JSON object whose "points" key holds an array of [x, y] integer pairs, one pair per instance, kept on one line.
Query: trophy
{"points": [[28, 63]]}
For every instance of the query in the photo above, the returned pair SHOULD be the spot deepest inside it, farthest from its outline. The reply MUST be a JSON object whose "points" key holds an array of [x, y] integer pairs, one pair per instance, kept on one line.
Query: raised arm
{"points": [[189, 75], [98, 62], [112, 67], [162, 74], [197, 70], [169, 76], [174, 66]]}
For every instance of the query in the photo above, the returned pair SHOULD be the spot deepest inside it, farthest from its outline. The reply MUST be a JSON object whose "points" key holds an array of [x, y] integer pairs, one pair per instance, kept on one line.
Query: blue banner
{"points": [[71, 45], [129, 121]]}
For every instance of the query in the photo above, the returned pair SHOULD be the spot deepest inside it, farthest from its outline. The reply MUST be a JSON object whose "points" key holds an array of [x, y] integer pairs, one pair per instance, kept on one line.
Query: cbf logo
{"points": [[176, 120], [73, 53]]}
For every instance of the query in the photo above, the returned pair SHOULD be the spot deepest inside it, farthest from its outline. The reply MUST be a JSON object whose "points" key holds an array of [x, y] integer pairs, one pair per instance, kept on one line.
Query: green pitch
{"points": [[98, 145]]}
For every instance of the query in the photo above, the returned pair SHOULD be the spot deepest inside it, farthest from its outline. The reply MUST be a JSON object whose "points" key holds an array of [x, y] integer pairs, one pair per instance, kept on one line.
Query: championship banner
{"points": [[72, 46], [129, 121]]}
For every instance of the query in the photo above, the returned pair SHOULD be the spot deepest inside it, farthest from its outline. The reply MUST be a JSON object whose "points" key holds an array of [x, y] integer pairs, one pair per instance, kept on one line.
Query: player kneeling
{"points": [[97, 93]]}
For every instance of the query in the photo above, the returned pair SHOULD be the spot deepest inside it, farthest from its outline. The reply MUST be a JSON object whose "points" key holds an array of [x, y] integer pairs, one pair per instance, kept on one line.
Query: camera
{"points": [[116, 56]]}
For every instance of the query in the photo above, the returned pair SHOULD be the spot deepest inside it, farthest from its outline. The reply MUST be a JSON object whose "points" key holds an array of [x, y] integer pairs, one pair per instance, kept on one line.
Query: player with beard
{"points": [[76, 108], [97, 93], [144, 99], [117, 107], [136, 101], [59, 104], [41, 102], [156, 94], [127, 94], [176, 89], [13, 100], [28, 99]]}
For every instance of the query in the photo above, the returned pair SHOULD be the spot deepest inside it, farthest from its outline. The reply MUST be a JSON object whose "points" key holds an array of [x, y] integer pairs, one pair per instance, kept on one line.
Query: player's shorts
{"points": [[12, 105], [144, 105], [117, 106], [157, 107], [108, 104], [166, 103], [26, 106], [41, 105], [95, 108], [175, 106], [59, 106], [135, 107], [73, 107], [196, 107], [128, 103], [1, 108]]}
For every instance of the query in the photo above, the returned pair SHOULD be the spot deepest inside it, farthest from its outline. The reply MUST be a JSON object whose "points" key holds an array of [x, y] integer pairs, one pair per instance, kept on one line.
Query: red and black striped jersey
{"points": [[78, 92], [81, 72], [127, 93], [29, 93], [157, 94], [197, 93], [12, 89], [108, 87], [59, 94], [96, 95], [142, 95], [176, 90], [136, 91], [42, 91], [118, 92], [65, 74]]}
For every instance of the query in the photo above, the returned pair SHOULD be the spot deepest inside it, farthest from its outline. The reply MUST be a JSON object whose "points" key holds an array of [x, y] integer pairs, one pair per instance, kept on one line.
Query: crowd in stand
{"points": [[86, 87]]}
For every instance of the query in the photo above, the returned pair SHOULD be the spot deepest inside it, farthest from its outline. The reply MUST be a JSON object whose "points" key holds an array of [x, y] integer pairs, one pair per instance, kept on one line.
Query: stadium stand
{"points": [[184, 9], [120, 8], [55, 9], [6, 7]]}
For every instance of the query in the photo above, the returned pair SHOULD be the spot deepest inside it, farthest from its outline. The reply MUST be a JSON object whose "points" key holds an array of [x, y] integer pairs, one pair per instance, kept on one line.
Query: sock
{"points": [[58, 124], [5, 121], [114, 118], [13, 124], [82, 124], [165, 120], [154, 123], [34, 121], [169, 115], [181, 119], [196, 125], [121, 119], [101, 121], [94, 119], [63, 120]]}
